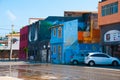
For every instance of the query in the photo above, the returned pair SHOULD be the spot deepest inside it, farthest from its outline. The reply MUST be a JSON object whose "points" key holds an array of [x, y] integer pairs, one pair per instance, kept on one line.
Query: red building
{"points": [[109, 23], [23, 43]]}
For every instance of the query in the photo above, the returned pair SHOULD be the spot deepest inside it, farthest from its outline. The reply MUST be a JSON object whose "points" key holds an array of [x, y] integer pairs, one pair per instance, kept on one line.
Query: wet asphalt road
{"points": [[60, 72]]}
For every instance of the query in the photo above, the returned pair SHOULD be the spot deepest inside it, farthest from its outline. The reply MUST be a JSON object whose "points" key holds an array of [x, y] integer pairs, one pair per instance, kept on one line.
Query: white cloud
{"points": [[11, 15]]}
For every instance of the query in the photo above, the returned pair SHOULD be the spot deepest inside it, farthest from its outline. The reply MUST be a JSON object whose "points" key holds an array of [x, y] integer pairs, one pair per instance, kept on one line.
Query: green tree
{"points": [[13, 32], [25, 49]]}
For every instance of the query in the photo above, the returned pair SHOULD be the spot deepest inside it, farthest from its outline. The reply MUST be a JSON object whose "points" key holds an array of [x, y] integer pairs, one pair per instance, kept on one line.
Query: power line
{"points": [[10, 25], [4, 29], [8, 29]]}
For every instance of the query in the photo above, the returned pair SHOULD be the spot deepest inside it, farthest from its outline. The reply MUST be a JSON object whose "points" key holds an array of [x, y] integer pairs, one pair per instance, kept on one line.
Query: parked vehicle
{"points": [[77, 59], [100, 58]]}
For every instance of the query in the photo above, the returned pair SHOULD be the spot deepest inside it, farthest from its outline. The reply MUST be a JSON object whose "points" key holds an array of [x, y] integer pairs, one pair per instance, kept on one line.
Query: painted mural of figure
{"points": [[107, 37]]}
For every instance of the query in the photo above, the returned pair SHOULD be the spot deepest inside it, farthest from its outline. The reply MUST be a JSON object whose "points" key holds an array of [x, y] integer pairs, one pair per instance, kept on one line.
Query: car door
{"points": [[96, 58], [104, 59]]}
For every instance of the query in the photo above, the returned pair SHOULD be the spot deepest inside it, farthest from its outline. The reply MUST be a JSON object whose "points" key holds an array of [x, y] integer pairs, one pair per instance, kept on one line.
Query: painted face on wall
{"points": [[112, 36]]}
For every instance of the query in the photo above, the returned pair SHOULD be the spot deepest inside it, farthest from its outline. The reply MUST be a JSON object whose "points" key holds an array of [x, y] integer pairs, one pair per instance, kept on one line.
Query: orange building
{"points": [[91, 20], [109, 23]]}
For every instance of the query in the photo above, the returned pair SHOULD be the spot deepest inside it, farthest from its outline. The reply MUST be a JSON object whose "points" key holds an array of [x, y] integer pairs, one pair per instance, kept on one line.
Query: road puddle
{"points": [[48, 77], [35, 75], [34, 72], [55, 72]]}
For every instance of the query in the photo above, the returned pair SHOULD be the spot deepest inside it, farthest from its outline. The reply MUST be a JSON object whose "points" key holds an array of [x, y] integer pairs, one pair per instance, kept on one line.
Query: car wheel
{"points": [[115, 63], [75, 62], [91, 63]]}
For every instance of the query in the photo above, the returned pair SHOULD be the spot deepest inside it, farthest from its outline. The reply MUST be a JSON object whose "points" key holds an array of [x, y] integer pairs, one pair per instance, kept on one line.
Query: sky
{"points": [[18, 12]]}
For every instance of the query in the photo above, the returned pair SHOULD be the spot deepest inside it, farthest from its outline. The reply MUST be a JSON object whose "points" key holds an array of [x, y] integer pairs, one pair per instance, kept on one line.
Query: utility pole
{"points": [[11, 41]]}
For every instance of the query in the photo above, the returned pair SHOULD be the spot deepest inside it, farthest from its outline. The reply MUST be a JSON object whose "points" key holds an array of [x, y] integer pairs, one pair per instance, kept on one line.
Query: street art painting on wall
{"points": [[44, 32], [112, 36], [85, 21], [66, 43], [39, 35], [33, 34]]}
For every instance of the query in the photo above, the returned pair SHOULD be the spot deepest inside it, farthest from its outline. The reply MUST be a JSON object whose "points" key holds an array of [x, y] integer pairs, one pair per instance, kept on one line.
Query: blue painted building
{"points": [[64, 41], [39, 37]]}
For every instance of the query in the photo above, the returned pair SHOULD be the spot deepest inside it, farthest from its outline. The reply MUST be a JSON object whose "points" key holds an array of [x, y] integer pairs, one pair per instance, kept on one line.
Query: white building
{"points": [[5, 45]]}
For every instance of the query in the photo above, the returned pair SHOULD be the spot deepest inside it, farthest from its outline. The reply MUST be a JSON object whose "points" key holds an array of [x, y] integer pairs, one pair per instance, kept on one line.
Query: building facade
{"points": [[84, 33], [15, 44], [23, 54], [63, 36], [109, 23], [10, 47], [88, 29], [38, 41], [33, 41]]}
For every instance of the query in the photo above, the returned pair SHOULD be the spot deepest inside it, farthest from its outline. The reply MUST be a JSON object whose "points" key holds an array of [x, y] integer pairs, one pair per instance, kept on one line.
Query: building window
{"points": [[59, 49], [54, 49], [54, 31], [110, 9], [103, 11], [59, 52], [59, 32], [115, 8]]}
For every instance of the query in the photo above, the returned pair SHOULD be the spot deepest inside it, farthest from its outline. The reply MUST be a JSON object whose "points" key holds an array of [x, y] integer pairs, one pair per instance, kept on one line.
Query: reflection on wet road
{"points": [[58, 72]]}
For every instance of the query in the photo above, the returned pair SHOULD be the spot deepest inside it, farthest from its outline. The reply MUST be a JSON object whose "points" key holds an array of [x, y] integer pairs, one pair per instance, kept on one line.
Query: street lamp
{"points": [[46, 47]]}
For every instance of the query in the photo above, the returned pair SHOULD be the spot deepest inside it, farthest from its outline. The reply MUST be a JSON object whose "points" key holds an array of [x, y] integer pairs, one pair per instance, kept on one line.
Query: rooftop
{"points": [[61, 18], [82, 12], [102, 1]]}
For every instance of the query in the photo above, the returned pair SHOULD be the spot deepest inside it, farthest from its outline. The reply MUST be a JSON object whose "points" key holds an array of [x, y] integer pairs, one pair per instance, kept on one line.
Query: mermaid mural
{"points": [[33, 36]]}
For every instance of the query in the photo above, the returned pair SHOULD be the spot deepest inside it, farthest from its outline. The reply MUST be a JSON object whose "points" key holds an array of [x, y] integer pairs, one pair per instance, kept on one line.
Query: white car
{"points": [[100, 58]]}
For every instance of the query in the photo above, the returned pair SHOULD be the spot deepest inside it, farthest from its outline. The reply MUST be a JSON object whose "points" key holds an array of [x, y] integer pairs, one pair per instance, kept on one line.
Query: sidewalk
{"points": [[13, 63], [9, 78]]}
